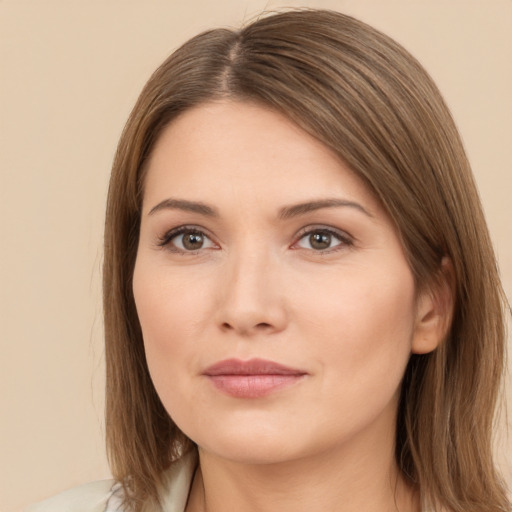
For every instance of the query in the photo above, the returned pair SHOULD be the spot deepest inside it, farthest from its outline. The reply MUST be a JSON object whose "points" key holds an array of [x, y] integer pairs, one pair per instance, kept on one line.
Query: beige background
{"points": [[69, 73]]}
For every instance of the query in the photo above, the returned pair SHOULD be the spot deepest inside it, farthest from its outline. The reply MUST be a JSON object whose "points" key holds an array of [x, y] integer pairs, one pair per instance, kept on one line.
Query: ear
{"points": [[434, 310]]}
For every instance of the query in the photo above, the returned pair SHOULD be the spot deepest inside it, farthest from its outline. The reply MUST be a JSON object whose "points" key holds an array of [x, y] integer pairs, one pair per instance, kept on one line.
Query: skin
{"points": [[348, 316]]}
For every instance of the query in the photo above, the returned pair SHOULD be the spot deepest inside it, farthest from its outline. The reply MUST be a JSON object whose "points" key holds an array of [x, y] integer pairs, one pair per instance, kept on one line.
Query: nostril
{"points": [[262, 326]]}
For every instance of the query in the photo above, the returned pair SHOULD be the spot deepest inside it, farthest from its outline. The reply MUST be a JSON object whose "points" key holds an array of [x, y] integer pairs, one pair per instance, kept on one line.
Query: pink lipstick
{"points": [[255, 378]]}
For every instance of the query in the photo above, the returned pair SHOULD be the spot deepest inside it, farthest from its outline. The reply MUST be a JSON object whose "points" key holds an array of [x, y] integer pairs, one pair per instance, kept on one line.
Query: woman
{"points": [[302, 306]]}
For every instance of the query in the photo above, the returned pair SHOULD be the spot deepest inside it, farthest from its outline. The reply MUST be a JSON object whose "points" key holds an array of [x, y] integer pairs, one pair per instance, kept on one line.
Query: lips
{"points": [[254, 378]]}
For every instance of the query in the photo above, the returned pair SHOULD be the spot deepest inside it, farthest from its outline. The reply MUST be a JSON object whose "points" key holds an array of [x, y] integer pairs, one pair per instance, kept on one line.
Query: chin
{"points": [[256, 444], [254, 452]]}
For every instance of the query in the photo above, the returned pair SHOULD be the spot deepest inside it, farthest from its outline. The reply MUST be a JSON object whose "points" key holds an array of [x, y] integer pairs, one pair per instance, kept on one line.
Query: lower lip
{"points": [[253, 386]]}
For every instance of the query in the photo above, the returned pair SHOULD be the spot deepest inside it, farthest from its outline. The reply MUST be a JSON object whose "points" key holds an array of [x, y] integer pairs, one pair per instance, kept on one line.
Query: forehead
{"points": [[228, 149]]}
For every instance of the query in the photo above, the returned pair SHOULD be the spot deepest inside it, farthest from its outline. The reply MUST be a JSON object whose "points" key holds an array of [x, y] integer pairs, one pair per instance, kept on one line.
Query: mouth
{"points": [[254, 378]]}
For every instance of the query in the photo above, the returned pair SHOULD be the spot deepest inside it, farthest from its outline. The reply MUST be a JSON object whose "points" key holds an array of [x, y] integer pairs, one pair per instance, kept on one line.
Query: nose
{"points": [[251, 296]]}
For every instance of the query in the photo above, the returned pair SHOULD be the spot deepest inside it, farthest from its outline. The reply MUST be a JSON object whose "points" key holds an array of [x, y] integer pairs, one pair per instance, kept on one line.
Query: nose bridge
{"points": [[252, 299]]}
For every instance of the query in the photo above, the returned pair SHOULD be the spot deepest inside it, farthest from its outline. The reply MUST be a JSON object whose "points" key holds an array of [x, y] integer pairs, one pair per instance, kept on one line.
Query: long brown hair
{"points": [[370, 101]]}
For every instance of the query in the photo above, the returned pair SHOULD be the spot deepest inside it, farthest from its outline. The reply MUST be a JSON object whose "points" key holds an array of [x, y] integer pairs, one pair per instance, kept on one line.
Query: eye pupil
{"points": [[320, 240], [193, 241]]}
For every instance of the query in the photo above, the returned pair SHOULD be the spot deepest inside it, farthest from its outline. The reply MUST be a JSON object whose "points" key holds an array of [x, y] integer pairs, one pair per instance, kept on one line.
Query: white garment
{"points": [[105, 495]]}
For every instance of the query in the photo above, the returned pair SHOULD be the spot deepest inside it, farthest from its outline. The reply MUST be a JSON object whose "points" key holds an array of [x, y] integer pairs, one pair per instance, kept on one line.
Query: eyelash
{"points": [[344, 239], [166, 240]]}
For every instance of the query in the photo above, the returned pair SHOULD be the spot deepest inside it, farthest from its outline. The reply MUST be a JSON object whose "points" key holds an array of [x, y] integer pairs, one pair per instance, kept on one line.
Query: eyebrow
{"points": [[187, 206], [287, 212]]}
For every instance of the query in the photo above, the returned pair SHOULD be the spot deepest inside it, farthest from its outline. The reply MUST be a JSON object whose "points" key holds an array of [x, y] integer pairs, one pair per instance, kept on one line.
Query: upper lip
{"points": [[250, 367]]}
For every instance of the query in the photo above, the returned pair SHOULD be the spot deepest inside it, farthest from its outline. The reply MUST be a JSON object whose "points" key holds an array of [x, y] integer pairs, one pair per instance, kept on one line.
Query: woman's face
{"points": [[277, 307]]}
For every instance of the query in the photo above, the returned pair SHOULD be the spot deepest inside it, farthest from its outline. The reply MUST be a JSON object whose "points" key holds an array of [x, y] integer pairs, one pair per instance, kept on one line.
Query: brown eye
{"points": [[320, 241], [186, 240], [323, 240], [192, 241]]}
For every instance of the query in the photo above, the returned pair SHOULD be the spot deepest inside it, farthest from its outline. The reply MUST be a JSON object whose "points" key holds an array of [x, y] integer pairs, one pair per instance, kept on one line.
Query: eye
{"points": [[186, 239], [323, 239]]}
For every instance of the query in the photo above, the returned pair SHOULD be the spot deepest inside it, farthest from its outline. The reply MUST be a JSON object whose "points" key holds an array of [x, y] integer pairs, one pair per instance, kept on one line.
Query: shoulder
{"points": [[106, 495], [91, 497]]}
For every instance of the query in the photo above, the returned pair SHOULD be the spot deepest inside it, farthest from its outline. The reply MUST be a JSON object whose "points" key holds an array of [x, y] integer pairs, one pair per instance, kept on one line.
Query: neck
{"points": [[347, 479]]}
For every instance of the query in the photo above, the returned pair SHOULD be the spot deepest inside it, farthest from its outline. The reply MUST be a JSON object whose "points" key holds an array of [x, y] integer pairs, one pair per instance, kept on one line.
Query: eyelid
{"points": [[164, 241], [346, 240]]}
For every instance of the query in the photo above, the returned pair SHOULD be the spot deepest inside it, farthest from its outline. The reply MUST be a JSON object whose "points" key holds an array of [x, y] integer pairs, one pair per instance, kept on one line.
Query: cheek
{"points": [[364, 323], [167, 323], [168, 306], [359, 298]]}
